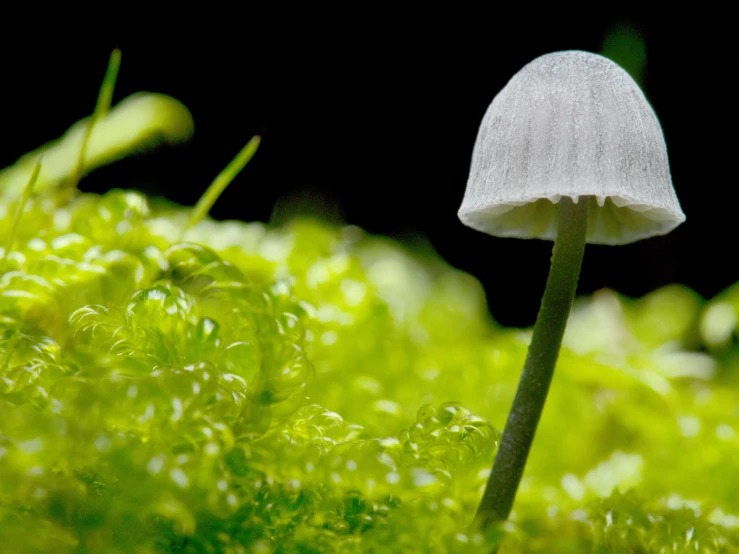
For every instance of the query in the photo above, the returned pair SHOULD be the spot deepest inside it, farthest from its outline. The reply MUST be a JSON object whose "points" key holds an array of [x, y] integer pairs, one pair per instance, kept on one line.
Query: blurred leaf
{"points": [[139, 122], [626, 46]]}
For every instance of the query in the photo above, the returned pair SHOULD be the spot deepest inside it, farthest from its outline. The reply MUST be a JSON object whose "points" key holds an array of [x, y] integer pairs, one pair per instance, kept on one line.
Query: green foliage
{"points": [[140, 121], [626, 46], [309, 388], [169, 384]]}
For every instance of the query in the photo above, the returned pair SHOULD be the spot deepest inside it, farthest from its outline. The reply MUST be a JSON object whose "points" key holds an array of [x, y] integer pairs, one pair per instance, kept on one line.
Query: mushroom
{"points": [[570, 151]]}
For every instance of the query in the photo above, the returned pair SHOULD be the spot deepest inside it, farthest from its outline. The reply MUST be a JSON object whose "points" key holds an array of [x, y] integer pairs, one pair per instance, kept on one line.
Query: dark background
{"points": [[372, 121]]}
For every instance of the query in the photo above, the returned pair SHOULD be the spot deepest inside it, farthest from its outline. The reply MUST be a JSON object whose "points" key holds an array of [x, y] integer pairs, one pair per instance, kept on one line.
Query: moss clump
{"points": [[236, 387], [170, 384]]}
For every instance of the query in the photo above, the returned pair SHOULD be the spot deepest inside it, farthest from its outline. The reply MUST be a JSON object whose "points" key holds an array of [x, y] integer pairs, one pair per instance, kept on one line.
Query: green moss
{"points": [[234, 387], [311, 388]]}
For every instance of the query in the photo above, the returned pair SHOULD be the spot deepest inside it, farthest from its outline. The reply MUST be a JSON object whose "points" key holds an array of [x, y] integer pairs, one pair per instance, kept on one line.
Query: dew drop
{"points": [[155, 465], [179, 477], [31, 446], [177, 407], [102, 443]]}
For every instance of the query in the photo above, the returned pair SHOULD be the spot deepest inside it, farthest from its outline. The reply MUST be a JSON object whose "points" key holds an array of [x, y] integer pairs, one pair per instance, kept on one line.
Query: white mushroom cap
{"points": [[571, 124]]}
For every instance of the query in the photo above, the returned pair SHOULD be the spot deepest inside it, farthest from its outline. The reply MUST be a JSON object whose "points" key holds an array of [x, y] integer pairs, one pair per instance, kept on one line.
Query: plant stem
{"points": [[223, 179], [19, 213], [105, 97], [549, 329]]}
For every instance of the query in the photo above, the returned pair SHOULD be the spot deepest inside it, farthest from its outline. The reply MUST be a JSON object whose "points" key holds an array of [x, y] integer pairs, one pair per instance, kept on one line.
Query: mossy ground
{"points": [[237, 387]]}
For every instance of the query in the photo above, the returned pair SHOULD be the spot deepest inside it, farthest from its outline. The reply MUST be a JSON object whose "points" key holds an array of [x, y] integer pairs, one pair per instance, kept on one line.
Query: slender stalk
{"points": [[223, 179], [105, 97], [549, 329], [19, 213]]}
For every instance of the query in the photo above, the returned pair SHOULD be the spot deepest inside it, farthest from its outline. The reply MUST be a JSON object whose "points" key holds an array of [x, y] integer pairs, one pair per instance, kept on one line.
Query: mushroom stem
{"points": [[549, 329]]}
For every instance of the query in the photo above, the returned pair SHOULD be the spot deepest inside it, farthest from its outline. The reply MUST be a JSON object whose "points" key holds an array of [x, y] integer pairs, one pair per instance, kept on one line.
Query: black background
{"points": [[372, 120]]}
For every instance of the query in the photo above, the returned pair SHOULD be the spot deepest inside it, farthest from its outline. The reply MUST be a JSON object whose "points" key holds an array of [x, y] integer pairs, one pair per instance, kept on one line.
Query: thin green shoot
{"points": [[105, 97], [19, 213], [223, 179]]}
